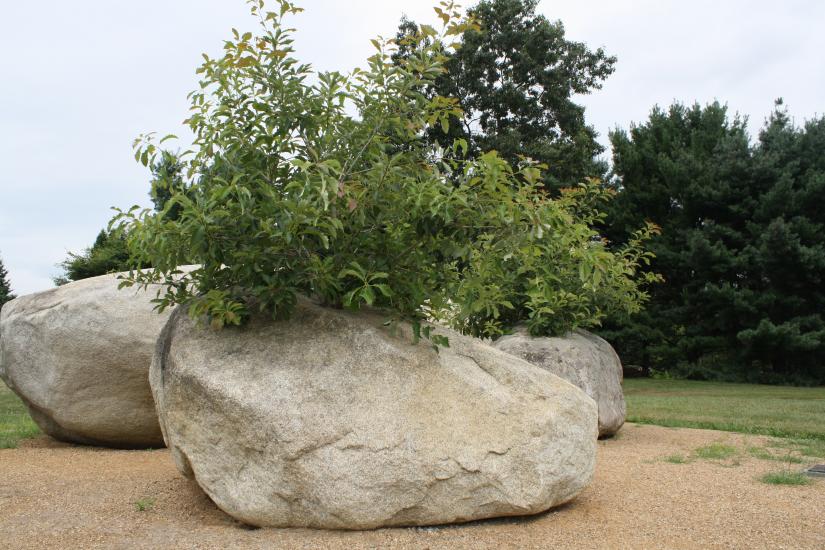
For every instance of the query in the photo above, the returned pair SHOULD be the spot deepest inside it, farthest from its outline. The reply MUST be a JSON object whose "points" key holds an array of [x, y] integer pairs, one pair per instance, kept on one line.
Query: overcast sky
{"points": [[79, 80]]}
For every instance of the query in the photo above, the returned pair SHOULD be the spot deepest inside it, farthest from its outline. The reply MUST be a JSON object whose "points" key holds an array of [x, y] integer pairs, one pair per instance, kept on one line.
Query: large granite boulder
{"points": [[78, 355], [333, 420], [582, 358]]}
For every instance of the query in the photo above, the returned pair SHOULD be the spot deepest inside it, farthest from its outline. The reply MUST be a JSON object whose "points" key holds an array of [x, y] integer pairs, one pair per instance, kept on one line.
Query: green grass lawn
{"points": [[779, 411], [768, 410], [15, 422]]}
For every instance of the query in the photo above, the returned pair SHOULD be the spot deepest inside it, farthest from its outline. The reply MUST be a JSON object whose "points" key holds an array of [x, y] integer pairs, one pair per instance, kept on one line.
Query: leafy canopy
{"points": [[515, 77], [325, 185]]}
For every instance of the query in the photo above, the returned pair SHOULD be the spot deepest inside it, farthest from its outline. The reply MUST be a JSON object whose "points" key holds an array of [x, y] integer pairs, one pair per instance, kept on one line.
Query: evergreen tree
{"points": [[110, 253], [5, 287], [741, 247], [784, 340], [515, 77]]}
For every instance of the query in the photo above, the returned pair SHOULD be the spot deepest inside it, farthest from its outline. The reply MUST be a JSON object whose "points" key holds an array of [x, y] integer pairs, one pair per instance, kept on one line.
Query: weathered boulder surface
{"points": [[330, 420], [582, 358], [78, 355]]}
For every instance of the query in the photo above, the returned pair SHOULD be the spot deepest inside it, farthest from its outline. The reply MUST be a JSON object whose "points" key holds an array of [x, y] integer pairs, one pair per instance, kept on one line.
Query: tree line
{"points": [[741, 249]]}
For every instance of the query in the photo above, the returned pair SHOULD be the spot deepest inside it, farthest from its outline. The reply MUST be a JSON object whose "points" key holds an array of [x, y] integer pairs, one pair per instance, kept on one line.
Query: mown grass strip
{"points": [[775, 411], [15, 422]]}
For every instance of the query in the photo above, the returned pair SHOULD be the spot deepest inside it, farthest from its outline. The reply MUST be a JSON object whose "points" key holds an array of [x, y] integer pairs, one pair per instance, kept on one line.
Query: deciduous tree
{"points": [[516, 76]]}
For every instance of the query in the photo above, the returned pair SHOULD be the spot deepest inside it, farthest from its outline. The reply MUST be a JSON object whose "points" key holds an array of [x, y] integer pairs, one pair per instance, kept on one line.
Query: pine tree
{"points": [[5, 287], [785, 339], [741, 249]]}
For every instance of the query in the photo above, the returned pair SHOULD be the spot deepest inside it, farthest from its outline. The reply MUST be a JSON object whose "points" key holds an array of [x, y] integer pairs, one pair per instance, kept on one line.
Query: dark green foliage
{"points": [[785, 340], [286, 193], [167, 179], [549, 269], [515, 77], [108, 254], [5, 286], [742, 248], [110, 251]]}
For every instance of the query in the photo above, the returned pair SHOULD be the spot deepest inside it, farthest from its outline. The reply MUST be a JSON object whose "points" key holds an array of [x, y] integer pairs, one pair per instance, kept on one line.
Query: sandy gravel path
{"points": [[60, 496]]}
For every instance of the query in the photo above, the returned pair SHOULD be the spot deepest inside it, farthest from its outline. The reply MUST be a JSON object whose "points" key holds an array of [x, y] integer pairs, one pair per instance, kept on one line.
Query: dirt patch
{"points": [[61, 496]]}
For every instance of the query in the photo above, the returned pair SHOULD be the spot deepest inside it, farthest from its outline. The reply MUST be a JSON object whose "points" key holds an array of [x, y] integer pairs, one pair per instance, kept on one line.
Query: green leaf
{"points": [[348, 297], [368, 294], [428, 30], [384, 289]]}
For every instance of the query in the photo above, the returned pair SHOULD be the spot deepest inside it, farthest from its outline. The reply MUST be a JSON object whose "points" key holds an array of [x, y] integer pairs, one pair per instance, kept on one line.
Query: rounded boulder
{"points": [[78, 356], [581, 358], [333, 420]]}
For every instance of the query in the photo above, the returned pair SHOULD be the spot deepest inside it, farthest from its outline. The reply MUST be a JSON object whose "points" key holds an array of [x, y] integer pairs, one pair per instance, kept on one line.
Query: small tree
{"points": [[166, 181], [5, 287], [287, 193]]}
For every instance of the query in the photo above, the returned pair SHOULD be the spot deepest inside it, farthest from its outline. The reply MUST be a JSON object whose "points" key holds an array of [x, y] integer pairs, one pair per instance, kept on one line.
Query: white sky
{"points": [[79, 80]]}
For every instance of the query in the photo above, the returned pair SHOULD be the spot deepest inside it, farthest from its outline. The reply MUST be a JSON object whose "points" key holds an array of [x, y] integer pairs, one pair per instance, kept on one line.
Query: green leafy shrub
{"points": [[287, 192], [548, 268]]}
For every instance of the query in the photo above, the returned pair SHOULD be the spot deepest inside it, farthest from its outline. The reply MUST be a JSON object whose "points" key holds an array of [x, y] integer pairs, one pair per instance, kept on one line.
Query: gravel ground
{"points": [[61, 496]]}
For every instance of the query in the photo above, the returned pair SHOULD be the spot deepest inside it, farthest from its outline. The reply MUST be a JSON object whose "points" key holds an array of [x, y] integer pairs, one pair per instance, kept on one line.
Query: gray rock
{"points": [[78, 355], [582, 358], [330, 420]]}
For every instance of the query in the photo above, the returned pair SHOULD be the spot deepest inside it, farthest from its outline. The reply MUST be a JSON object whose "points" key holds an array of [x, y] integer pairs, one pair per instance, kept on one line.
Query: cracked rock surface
{"points": [[78, 355], [581, 358], [330, 420]]}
